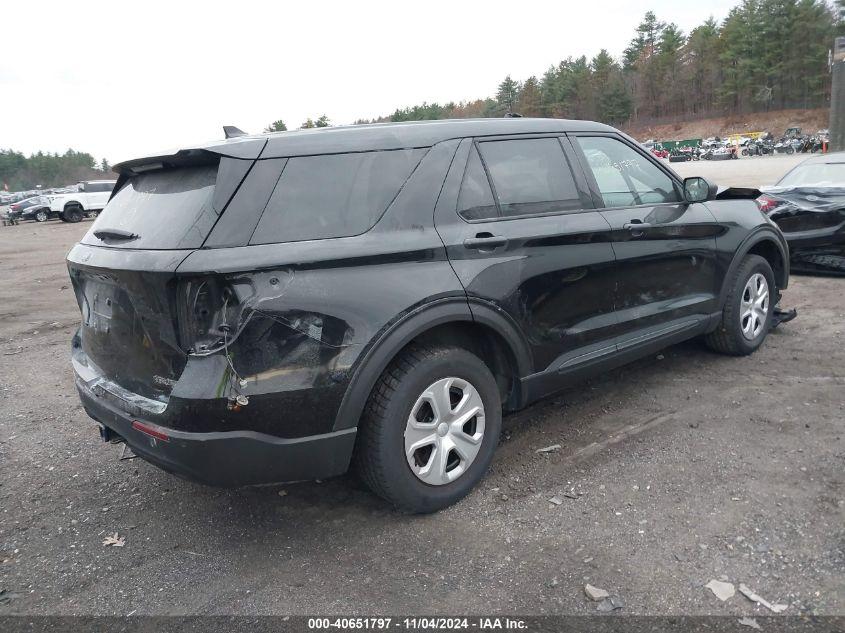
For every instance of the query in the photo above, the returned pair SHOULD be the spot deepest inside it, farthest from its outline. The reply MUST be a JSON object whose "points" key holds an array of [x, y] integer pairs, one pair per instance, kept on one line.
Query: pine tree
{"points": [[276, 126], [508, 95], [530, 98]]}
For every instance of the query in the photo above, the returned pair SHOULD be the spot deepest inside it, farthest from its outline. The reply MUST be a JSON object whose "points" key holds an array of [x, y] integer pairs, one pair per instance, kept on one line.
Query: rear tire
{"points": [[404, 412], [41, 216], [746, 318]]}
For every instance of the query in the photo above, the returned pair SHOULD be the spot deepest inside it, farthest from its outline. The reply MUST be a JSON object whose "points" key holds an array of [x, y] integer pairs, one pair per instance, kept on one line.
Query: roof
{"points": [[370, 137]]}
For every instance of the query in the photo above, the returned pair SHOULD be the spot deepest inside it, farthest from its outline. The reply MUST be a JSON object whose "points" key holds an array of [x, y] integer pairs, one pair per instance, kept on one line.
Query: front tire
{"points": [[73, 214], [430, 428], [747, 316]]}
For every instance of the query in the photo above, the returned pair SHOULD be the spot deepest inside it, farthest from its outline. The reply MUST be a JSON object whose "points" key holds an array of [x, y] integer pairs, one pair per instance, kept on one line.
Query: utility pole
{"points": [[837, 97]]}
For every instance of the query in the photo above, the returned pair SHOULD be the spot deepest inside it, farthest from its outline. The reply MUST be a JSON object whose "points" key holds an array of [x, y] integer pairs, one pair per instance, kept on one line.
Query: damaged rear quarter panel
{"points": [[305, 314]]}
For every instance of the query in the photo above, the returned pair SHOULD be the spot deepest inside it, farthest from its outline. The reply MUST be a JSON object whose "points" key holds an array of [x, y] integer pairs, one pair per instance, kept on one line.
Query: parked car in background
{"points": [[89, 200], [38, 211], [17, 209], [377, 295], [808, 204]]}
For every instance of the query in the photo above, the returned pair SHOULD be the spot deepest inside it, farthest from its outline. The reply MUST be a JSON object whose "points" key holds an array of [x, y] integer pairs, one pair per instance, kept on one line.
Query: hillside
{"points": [[775, 122]]}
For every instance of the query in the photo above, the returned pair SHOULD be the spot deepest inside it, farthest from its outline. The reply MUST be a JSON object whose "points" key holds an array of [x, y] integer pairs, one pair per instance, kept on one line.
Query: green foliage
{"points": [[276, 126], [508, 95], [309, 123], [47, 170], [766, 54]]}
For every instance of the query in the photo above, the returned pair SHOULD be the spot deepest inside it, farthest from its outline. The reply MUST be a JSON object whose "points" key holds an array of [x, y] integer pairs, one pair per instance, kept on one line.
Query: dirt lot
{"points": [[776, 122], [681, 468]]}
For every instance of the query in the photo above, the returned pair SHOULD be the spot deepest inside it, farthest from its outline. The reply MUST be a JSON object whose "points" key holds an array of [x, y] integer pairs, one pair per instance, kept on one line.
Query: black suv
{"points": [[277, 307]]}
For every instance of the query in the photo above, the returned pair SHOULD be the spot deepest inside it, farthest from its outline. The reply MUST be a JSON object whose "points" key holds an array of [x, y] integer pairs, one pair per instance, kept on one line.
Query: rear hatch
{"points": [[136, 312]]}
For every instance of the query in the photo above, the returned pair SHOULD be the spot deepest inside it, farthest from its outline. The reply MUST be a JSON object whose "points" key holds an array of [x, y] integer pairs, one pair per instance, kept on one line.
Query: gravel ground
{"points": [[743, 172], [678, 469]]}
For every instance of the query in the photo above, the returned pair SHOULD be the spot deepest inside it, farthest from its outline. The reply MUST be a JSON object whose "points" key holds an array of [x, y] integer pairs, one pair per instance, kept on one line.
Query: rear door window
{"points": [[168, 209], [475, 201], [530, 176], [339, 195]]}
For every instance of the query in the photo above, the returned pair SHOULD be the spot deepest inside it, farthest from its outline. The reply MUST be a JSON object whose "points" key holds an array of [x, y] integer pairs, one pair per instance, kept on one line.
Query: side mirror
{"points": [[698, 190]]}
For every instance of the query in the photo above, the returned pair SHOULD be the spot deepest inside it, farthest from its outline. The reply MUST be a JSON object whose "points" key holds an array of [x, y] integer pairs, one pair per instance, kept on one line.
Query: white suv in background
{"points": [[89, 200]]}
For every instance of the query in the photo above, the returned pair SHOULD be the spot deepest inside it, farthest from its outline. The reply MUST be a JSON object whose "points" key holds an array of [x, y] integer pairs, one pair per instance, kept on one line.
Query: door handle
{"points": [[485, 242], [637, 226]]}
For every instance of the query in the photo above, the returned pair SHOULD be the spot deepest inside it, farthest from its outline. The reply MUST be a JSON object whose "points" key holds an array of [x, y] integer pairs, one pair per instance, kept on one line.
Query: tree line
{"points": [[20, 173], [766, 55]]}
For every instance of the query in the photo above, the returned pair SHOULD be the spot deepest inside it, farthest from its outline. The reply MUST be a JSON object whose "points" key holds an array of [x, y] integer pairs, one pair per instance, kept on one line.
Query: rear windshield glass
{"points": [[165, 209], [337, 195], [824, 174]]}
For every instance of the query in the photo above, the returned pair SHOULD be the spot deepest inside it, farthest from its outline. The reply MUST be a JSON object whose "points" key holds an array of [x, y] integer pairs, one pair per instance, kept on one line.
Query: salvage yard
{"points": [[658, 478]]}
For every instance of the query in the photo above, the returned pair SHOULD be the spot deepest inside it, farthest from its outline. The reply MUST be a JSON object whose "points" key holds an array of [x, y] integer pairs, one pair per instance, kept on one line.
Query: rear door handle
{"points": [[485, 242], [637, 227]]}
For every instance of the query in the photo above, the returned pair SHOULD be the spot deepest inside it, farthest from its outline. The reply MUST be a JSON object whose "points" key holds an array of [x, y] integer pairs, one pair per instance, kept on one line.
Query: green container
{"points": [[689, 142]]}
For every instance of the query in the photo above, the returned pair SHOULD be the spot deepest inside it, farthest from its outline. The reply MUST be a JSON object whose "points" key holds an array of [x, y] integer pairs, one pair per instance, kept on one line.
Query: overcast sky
{"points": [[121, 79]]}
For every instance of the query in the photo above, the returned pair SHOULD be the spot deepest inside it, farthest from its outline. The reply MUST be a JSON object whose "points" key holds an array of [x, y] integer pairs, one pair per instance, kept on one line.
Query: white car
{"points": [[89, 200]]}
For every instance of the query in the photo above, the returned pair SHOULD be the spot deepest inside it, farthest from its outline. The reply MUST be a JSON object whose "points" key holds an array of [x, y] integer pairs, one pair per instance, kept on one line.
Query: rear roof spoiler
{"points": [[240, 147]]}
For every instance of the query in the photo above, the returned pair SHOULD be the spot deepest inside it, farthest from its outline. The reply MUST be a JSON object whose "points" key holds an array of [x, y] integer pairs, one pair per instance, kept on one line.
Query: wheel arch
{"points": [[479, 329], [765, 243]]}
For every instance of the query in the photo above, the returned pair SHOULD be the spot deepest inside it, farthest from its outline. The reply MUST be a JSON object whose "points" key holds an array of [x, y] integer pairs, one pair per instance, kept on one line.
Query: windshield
{"points": [[823, 174]]}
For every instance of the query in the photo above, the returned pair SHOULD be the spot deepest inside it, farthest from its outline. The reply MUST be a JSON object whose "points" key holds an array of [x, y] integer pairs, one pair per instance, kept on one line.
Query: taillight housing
{"points": [[204, 308], [767, 203]]}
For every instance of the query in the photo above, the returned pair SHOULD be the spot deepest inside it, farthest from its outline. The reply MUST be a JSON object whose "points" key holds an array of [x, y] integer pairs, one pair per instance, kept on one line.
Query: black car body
{"points": [[236, 333], [808, 204]]}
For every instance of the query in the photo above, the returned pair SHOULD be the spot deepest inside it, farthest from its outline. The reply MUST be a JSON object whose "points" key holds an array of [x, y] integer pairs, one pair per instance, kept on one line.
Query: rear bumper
{"points": [[236, 458]]}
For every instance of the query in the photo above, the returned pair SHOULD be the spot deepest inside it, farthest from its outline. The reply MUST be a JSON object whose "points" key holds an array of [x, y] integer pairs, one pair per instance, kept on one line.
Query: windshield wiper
{"points": [[116, 234]]}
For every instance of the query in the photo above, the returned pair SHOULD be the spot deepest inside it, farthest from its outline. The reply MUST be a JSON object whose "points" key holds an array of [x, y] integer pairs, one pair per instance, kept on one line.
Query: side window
{"points": [[475, 201], [624, 176], [338, 195], [530, 176]]}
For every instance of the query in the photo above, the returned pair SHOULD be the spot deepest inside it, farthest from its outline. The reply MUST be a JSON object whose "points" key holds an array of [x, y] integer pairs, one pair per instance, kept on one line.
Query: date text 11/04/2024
{"points": [[418, 623]]}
